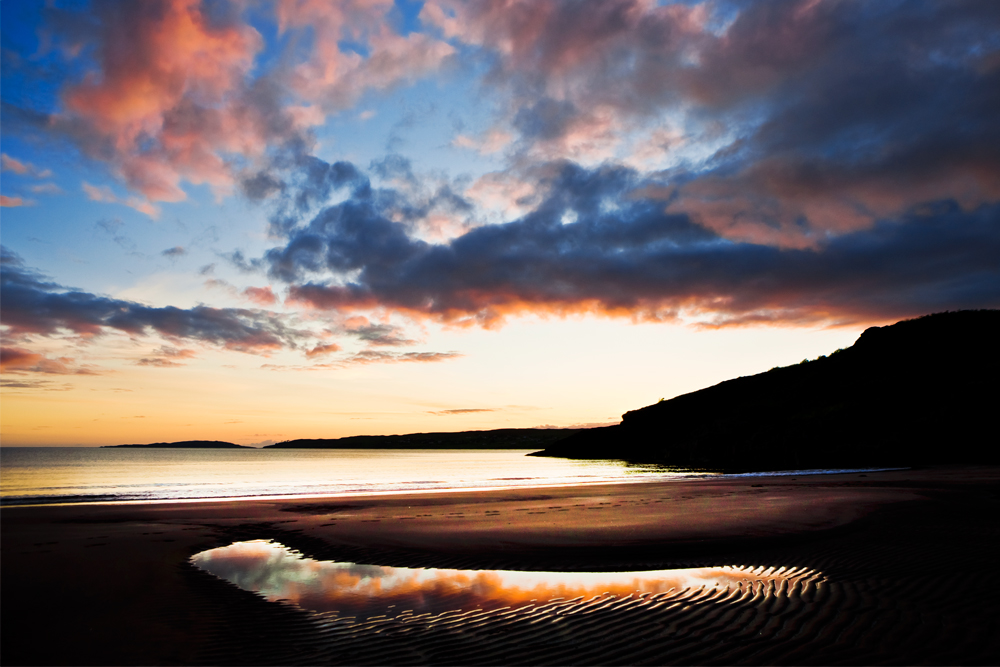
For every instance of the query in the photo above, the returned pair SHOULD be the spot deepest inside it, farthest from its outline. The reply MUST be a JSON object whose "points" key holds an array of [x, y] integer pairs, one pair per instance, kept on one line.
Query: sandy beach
{"points": [[889, 567]]}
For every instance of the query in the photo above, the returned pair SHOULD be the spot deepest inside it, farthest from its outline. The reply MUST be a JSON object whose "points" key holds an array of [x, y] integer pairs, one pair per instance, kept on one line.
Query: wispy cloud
{"points": [[366, 357], [18, 360], [22, 168], [103, 193], [167, 357]]}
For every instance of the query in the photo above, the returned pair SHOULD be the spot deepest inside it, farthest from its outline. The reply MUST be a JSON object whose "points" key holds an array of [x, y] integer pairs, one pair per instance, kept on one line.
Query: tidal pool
{"points": [[351, 589]]}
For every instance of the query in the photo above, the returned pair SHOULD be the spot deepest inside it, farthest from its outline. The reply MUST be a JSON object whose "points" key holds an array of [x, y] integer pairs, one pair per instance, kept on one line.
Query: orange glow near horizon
{"points": [[567, 372]]}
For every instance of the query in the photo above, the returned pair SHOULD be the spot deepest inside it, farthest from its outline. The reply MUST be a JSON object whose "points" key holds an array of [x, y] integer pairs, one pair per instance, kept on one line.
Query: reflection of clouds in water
{"points": [[280, 573]]}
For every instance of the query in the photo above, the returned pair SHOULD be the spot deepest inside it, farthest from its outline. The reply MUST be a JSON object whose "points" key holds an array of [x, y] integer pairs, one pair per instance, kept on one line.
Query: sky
{"points": [[257, 221]]}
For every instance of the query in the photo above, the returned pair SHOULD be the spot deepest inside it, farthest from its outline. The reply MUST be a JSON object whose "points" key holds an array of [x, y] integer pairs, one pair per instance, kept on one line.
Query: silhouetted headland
{"points": [[918, 392], [504, 438], [189, 444]]}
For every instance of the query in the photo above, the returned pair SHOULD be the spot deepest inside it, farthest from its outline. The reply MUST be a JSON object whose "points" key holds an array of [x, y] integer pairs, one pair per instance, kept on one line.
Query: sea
{"points": [[62, 475]]}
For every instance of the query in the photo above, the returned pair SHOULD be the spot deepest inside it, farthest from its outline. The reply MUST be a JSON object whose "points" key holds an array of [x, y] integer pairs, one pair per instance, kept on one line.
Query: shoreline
{"points": [[46, 501], [114, 583]]}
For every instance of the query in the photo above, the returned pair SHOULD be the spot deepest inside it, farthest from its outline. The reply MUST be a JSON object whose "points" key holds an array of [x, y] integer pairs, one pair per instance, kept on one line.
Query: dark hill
{"points": [[189, 444], [922, 391], [505, 438]]}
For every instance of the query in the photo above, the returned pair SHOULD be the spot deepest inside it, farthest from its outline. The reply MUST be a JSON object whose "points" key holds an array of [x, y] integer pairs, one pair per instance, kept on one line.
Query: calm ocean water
{"points": [[32, 475], [43, 475]]}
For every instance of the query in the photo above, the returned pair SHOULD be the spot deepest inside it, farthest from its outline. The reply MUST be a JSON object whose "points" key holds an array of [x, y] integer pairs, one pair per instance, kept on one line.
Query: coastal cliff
{"points": [[916, 392]]}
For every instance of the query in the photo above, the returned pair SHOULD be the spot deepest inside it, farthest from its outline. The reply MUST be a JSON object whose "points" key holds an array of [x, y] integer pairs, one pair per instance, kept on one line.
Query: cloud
{"points": [[262, 296], [103, 193], [113, 228], [158, 362], [493, 141], [610, 422], [788, 119], [42, 385], [46, 189], [599, 243], [173, 253], [11, 164], [379, 335], [780, 122], [336, 78], [7, 163], [727, 162], [376, 356], [14, 202], [18, 360], [321, 350], [167, 357], [177, 92], [166, 100], [33, 305], [365, 357], [460, 411]]}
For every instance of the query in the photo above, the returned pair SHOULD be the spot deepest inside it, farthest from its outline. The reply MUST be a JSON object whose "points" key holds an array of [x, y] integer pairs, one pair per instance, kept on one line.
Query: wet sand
{"points": [[893, 567]]}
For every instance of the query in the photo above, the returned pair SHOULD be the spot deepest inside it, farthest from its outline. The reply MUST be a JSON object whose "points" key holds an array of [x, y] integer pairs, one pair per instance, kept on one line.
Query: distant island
{"points": [[921, 391], [188, 444], [504, 438]]}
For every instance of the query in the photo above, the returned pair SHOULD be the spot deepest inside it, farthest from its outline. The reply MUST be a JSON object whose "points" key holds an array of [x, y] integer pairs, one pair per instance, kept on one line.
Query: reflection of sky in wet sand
{"points": [[359, 590]]}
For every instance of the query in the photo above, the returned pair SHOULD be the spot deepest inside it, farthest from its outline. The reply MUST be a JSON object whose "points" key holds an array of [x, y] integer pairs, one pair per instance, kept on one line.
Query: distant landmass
{"points": [[504, 438], [189, 444], [922, 391]]}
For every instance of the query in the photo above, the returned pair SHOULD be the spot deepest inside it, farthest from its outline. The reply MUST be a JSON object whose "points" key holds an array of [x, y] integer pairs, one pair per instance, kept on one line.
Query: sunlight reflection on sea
{"points": [[79, 474]]}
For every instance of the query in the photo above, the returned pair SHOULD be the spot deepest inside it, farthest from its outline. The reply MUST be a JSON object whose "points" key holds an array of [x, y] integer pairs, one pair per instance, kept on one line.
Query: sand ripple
{"points": [[790, 615]]}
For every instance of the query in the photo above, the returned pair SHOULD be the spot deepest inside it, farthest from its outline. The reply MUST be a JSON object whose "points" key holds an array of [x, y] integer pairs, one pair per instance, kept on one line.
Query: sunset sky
{"points": [[256, 221]]}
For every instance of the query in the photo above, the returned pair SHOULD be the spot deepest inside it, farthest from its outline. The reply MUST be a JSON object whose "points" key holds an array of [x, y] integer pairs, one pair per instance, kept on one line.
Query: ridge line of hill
{"points": [[921, 391]]}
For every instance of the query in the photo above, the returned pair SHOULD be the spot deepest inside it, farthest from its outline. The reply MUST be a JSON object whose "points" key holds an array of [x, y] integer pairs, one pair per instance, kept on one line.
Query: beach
{"points": [[858, 568]]}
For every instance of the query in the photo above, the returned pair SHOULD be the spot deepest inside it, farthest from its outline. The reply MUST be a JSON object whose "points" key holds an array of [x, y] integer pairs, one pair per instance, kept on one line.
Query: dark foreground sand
{"points": [[893, 567]]}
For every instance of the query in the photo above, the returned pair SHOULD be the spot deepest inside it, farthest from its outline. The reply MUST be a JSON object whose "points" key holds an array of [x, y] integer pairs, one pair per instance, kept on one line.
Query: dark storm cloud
{"points": [[623, 255], [33, 305]]}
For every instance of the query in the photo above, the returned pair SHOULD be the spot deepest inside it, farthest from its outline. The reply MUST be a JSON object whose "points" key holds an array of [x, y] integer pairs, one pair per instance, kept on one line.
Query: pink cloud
{"points": [[175, 100], [11, 164], [335, 78], [262, 296], [321, 350], [14, 202], [18, 360], [164, 104], [7, 163], [103, 193]]}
